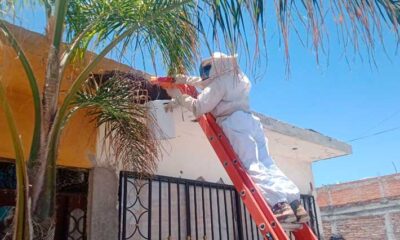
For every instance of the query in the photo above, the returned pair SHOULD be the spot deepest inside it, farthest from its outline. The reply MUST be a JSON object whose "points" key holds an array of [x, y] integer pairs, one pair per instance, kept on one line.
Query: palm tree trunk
{"points": [[44, 185], [43, 192]]}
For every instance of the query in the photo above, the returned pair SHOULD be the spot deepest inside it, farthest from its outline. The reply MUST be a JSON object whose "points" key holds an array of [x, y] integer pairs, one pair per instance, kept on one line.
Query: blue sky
{"points": [[344, 100], [341, 100]]}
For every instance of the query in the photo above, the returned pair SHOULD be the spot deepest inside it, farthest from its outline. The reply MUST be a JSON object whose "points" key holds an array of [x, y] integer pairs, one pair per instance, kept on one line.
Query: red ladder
{"points": [[258, 208]]}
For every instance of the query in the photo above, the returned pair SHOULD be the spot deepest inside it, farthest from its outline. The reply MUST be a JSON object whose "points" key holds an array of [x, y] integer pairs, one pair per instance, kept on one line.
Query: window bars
{"points": [[174, 208]]}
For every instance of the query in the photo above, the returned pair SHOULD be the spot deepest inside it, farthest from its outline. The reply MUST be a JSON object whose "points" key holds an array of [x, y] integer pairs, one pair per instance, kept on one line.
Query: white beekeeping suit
{"points": [[225, 94]]}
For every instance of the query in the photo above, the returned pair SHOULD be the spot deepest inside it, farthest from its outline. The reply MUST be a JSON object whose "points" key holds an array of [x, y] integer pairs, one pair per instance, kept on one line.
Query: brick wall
{"points": [[368, 190], [326, 230], [395, 219], [372, 228], [364, 209]]}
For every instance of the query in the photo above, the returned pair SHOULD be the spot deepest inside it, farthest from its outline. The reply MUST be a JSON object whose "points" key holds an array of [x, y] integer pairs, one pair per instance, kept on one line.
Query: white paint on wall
{"points": [[164, 126], [298, 171], [190, 155]]}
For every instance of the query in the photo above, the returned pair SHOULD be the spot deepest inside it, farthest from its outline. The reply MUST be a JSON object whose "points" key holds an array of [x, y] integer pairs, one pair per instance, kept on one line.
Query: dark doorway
{"points": [[72, 188]]}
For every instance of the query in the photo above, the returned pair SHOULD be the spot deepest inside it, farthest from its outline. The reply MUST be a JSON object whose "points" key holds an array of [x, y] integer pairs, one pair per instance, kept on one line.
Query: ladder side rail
{"points": [[304, 233], [262, 222], [248, 181]]}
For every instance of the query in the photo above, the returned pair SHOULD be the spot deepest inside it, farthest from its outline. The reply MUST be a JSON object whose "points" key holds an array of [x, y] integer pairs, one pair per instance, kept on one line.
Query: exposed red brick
{"points": [[327, 230], [371, 228], [361, 193], [323, 198], [358, 193], [392, 187], [395, 219]]}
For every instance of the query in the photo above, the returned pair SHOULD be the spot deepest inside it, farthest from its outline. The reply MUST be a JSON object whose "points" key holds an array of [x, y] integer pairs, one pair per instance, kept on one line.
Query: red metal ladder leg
{"points": [[304, 232], [245, 193]]}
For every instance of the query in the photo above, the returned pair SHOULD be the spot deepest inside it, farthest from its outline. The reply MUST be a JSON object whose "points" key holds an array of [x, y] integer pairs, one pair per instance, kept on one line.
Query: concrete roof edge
{"points": [[303, 134]]}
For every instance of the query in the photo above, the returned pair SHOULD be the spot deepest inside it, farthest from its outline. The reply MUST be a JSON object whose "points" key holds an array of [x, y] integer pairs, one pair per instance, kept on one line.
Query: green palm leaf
{"points": [[21, 218], [115, 101], [34, 89]]}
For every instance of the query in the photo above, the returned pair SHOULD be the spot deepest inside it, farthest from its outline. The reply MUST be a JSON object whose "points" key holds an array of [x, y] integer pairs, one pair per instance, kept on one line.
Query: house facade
{"points": [[190, 194]]}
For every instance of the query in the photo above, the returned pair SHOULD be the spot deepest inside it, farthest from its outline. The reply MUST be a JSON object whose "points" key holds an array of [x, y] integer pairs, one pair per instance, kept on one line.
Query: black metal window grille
{"points": [[174, 208], [309, 204]]}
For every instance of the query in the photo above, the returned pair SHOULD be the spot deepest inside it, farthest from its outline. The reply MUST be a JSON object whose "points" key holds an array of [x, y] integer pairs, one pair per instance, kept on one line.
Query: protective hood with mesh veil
{"points": [[225, 89], [221, 65]]}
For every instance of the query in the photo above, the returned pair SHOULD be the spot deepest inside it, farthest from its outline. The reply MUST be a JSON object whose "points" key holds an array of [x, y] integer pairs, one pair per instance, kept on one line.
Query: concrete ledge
{"points": [[308, 135]]}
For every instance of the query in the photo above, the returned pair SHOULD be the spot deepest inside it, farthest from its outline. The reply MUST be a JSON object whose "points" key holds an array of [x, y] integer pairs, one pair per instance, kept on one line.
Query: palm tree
{"points": [[172, 26], [175, 29]]}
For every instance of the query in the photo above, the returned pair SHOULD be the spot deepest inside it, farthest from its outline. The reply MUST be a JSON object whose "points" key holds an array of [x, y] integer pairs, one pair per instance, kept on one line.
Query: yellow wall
{"points": [[79, 137]]}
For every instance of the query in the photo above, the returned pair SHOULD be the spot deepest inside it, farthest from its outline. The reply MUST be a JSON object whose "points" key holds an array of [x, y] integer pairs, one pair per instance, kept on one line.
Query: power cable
{"points": [[381, 122], [375, 126], [375, 134]]}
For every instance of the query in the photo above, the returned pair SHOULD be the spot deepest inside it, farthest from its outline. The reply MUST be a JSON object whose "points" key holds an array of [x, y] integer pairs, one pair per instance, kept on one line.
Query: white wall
{"points": [[298, 171], [190, 155]]}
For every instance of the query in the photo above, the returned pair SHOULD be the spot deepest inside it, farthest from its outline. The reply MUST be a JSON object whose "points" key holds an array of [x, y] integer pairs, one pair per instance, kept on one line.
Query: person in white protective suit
{"points": [[225, 95]]}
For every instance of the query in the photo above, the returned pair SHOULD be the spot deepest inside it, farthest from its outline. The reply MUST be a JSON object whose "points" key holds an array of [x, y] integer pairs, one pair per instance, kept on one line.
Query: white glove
{"points": [[169, 107], [184, 79], [184, 100], [181, 79], [173, 92]]}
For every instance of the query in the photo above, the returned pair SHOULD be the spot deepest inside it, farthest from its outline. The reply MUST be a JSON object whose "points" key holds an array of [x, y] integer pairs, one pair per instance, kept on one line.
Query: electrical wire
{"points": [[381, 122], [375, 134], [375, 126]]}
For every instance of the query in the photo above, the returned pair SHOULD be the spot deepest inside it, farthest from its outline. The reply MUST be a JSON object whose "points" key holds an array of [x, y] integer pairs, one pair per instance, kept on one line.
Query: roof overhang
{"points": [[288, 141]]}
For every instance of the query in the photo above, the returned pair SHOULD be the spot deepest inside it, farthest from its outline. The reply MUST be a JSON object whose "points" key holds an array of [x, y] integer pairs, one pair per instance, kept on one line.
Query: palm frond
{"points": [[359, 21], [4, 30], [164, 32], [198, 22], [117, 103], [174, 36], [22, 215]]}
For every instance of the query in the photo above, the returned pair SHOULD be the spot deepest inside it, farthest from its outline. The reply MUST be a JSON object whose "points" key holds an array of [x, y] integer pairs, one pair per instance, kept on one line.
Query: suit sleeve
{"points": [[208, 99]]}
